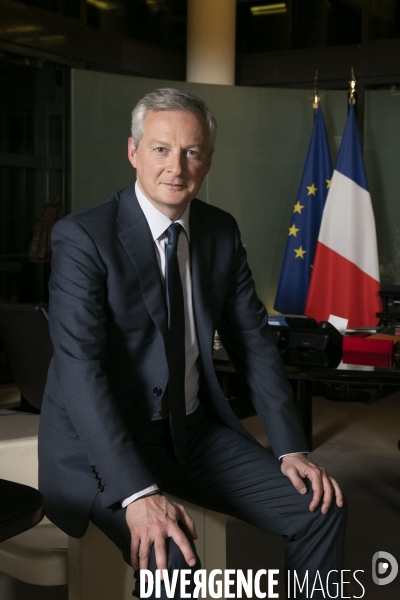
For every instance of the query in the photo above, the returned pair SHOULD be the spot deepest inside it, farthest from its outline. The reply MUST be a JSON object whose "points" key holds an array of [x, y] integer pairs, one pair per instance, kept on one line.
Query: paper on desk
{"points": [[350, 367], [339, 323]]}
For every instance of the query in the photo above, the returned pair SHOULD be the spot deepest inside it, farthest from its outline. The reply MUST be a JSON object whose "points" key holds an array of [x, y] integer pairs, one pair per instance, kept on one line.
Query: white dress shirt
{"points": [[158, 224]]}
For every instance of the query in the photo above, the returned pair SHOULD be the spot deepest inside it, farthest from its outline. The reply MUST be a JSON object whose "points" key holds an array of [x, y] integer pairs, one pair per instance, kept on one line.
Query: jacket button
{"points": [[93, 468], [101, 488], [157, 391]]}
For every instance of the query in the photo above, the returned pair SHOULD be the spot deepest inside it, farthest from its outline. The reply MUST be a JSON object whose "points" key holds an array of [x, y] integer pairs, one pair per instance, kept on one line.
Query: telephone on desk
{"points": [[303, 341]]}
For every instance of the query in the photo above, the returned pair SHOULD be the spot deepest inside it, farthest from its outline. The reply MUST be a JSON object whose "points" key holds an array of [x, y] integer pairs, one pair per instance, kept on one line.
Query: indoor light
{"points": [[102, 4], [268, 9]]}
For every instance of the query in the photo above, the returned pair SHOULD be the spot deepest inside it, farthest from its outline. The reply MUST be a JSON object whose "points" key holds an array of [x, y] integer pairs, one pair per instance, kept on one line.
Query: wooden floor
{"points": [[357, 444]]}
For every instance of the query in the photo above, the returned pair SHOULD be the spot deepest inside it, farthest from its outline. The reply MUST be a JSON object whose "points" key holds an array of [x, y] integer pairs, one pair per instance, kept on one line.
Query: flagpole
{"points": [[316, 97], [352, 90]]}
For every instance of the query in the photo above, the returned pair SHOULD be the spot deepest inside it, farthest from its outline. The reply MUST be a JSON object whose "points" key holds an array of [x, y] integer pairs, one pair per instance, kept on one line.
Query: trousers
{"points": [[227, 473]]}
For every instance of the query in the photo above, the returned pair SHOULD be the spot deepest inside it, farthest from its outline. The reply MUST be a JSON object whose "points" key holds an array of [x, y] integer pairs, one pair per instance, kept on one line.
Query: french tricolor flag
{"points": [[345, 278]]}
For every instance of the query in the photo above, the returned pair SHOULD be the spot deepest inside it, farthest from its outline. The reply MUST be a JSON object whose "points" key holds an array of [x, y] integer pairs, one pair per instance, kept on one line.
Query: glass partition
{"points": [[382, 160], [33, 161], [262, 141]]}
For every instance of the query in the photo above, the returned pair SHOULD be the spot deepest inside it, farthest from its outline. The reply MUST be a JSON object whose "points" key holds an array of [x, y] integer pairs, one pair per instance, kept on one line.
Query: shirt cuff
{"points": [[151, 488], [292, 453]]}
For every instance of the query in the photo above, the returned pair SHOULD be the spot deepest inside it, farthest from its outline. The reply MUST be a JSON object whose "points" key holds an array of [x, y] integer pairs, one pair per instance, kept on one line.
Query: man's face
{"points": [[172, 159]]}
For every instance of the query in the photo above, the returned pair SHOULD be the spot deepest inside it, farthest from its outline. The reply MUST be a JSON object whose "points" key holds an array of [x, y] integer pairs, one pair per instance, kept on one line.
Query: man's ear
{"points": [[132, 152]]}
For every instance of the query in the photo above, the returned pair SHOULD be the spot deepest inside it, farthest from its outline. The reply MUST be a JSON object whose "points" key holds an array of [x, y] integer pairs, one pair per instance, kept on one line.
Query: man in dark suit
{"points": [[132, 405]]}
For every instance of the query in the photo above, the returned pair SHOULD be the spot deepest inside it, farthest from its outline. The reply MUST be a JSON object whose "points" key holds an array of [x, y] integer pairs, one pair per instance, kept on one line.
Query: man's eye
{"points": [[160, 149], [192, 153]]}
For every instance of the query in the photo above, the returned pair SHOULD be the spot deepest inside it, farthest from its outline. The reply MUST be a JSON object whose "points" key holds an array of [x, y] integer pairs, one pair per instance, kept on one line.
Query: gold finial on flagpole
{"points": [[316, 97], [352, 90]]}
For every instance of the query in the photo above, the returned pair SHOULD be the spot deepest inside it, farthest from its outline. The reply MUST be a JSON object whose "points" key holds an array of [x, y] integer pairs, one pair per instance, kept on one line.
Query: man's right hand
{"points": [[153, 519]]}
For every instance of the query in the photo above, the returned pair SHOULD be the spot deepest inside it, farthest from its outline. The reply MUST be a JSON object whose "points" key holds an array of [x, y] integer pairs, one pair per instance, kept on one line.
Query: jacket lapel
{"points": [[136, 238], [200, 250], [202, 259]]}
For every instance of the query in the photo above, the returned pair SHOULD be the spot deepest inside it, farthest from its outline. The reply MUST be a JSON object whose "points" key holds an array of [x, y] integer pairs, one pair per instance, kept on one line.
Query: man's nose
{"points": [[176, 163]]}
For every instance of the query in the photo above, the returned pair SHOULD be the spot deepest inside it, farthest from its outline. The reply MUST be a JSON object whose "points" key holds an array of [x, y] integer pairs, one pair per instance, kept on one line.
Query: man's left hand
{"points": [[298, 467]]}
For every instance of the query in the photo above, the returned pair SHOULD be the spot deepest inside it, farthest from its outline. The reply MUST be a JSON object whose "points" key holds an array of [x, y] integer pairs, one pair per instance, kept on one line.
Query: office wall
{"points": [[262, 141], [382, 162]]}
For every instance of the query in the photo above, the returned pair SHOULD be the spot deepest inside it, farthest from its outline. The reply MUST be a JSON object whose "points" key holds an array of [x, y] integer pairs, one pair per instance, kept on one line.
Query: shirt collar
{"points": [[158, 222]]}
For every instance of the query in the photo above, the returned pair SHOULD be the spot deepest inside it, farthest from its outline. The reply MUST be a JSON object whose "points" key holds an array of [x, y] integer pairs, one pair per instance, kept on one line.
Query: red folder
{"points": [[368, 360], [367, 345]]}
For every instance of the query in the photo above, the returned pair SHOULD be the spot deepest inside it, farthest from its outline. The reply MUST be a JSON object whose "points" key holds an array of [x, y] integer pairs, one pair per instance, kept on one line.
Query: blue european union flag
{"points": [[304, 226]]}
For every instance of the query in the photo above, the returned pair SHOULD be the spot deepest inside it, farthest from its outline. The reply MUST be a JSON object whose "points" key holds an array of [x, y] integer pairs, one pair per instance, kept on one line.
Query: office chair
{"points": [[25, 333]]}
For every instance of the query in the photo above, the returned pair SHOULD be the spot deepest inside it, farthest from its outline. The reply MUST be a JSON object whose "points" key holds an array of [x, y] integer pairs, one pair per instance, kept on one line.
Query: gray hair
{"points": [[172, 99]]}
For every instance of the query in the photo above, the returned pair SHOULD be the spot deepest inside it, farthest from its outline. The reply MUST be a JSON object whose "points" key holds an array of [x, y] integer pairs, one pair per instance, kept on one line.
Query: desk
{"points": [[303, 378], [21, 507]]}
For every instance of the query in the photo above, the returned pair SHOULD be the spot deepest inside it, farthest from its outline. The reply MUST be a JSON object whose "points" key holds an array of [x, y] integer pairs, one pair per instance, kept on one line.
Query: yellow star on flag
{"points": [[311, 189], [298, 207], [328, 183], [293, 230], [300, 252]]}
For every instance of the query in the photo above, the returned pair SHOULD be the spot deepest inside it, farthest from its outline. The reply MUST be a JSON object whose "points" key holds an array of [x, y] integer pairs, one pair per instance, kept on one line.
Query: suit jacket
{"points": [[108, 324]]}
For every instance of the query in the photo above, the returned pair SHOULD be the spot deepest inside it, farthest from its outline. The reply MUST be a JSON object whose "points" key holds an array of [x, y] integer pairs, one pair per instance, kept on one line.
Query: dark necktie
{"points": [[176, 343]]}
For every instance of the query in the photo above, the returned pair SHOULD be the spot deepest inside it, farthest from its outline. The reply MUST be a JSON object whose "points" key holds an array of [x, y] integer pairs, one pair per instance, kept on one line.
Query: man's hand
{"points": [[298, 467], [153, 519]]}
